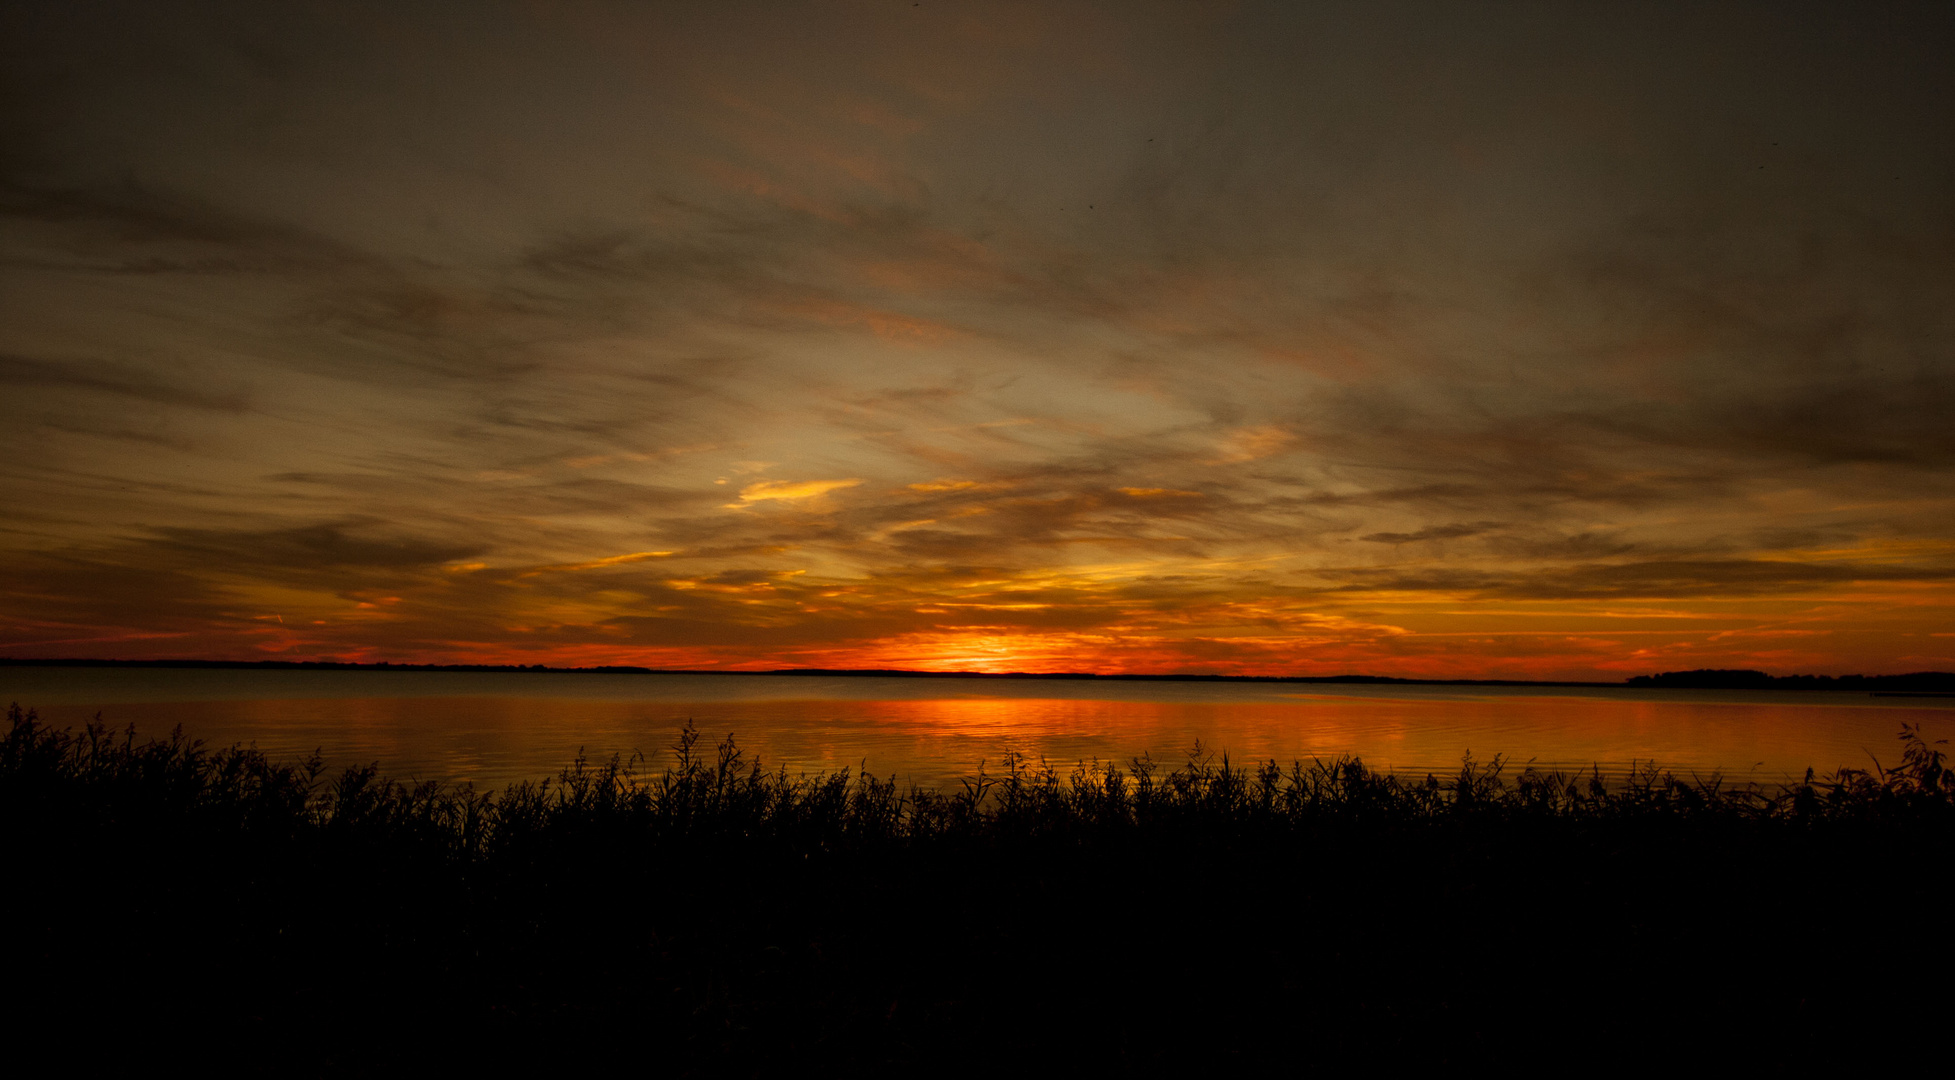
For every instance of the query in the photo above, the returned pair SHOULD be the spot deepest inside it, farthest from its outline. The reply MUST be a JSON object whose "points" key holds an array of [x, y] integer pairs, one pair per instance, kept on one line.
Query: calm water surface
{"points": [[495, 728]]}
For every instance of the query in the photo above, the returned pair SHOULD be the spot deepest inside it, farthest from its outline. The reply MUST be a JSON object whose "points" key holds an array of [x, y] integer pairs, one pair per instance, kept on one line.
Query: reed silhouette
{"points": [[175, 900]]}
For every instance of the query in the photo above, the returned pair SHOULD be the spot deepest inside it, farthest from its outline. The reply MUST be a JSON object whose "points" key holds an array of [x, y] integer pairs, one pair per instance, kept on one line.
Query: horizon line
{"points": [[629, 669]]}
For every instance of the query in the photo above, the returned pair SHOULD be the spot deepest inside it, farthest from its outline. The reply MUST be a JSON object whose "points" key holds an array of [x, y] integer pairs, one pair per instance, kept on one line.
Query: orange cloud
{"points": [[788, 491], [614, 560]]}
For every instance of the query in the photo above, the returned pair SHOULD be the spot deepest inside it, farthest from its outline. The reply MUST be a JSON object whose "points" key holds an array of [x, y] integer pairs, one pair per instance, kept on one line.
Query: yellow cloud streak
{"points": [[942, 485], [788, 490], [594, 564], [616, 559]]}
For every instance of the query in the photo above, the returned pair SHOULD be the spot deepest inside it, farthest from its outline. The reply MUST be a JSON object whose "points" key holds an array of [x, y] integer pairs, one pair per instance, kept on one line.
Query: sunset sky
{"points": [[1485, 339]]}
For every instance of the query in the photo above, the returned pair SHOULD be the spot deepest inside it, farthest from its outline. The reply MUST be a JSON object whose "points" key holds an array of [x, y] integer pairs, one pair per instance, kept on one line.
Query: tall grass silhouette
{"points": [[709, 913], [108, 777]]}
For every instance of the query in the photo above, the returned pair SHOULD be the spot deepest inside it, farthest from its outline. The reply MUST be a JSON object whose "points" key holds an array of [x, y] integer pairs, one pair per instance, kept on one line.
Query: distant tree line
{"points": [[1745, 679]]}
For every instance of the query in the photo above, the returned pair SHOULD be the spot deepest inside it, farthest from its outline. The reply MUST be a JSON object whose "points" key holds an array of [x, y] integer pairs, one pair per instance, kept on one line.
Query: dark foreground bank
{"points": [[172, 902]]}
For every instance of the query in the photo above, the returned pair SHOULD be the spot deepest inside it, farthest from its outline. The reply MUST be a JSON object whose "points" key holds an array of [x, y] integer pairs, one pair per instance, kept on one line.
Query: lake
{"points": [[495, 728]]}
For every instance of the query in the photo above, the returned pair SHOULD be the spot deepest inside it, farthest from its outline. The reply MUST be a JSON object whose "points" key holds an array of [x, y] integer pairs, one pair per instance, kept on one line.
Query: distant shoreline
{"points": [[1925, 683], [896, 673]]}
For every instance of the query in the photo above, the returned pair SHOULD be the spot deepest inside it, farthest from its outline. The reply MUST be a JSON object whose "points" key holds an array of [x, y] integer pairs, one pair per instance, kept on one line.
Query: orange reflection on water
{"points": [[933, 732]]}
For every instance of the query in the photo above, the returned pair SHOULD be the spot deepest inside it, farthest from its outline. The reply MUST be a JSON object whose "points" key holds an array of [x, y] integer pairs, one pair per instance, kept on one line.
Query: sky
{"points": [[1503, 340]]}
